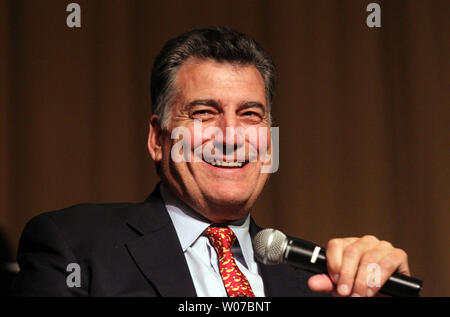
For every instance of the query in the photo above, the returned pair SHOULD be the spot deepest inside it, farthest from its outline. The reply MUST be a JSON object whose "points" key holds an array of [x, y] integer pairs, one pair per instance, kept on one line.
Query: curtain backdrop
{"points": [[363, 114]]}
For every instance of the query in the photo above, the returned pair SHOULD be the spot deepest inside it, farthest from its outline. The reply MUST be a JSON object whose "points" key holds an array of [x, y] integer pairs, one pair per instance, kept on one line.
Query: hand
{"points": [[349, 261]]}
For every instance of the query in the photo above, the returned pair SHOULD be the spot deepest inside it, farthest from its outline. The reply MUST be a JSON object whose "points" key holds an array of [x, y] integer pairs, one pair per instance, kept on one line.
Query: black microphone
{"points": [[273, 247]]}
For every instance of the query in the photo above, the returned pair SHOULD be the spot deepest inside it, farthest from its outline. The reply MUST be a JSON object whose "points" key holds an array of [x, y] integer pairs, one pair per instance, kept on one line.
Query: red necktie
{"points": [[234, 280]]}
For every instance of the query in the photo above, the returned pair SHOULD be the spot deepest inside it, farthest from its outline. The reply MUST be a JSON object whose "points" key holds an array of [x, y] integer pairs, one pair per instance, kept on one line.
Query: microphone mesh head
{"points": [[269, 246]]}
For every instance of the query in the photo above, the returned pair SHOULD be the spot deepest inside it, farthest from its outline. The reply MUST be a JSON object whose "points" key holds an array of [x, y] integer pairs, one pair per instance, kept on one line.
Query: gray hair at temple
{"points": [[218, 43]]}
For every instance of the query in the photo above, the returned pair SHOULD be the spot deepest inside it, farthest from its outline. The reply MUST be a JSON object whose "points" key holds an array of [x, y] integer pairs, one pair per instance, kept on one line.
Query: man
{"points": [[192, 236]]}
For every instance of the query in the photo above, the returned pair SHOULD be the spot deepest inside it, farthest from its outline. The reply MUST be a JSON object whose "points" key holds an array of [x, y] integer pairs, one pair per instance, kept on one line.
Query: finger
{"points": [[403, 268], [320, 283], [369, 271], [334, 252], [394, 261], [350, 263]]}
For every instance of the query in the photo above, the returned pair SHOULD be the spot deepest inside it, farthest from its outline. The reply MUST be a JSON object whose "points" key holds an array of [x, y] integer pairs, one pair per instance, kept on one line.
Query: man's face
{"points": [[222, 96]]}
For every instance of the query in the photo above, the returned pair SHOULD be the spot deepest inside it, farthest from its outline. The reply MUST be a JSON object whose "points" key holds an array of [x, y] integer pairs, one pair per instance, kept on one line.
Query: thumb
{"points": [[320, 283]]}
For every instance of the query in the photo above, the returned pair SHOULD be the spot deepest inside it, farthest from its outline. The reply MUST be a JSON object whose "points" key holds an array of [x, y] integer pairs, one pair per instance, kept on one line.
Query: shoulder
{"points": [[86, 226], [87, 215]]}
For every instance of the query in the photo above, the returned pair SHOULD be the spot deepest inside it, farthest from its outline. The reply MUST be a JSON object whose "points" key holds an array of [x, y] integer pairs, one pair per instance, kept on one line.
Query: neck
{"points": [[213, 213]]}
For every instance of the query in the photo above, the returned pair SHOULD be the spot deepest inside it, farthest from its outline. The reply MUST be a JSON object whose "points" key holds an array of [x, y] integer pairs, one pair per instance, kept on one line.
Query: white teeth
{"points": [[226, 164]]}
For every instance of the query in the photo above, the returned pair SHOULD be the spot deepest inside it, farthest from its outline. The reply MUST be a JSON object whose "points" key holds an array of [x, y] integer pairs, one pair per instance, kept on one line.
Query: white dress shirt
{"points": [[200, 254]]}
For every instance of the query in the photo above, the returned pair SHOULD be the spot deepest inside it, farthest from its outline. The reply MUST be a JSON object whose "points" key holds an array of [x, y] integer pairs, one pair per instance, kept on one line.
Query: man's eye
{"points": [[202, 114], [252, 115]]}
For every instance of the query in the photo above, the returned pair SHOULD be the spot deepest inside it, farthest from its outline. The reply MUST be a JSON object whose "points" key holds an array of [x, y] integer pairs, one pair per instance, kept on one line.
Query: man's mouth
{"points": [[223, 164]]}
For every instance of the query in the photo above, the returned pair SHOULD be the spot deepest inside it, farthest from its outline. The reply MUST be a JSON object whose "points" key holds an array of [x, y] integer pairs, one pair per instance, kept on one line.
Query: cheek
{"points": [[261, 144], [178, 144]]}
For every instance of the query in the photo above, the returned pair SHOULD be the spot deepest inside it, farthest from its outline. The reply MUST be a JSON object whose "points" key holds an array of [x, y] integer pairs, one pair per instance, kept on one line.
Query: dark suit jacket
{"points": [[126, 249]]}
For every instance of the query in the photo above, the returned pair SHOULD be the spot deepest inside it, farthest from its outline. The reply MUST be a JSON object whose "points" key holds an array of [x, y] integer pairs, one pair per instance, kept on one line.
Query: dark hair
{"points": [[218, 43]]}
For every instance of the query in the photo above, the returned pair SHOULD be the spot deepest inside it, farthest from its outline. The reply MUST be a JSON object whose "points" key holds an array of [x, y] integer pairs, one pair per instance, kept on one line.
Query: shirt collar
{"points": [[189, 225]]}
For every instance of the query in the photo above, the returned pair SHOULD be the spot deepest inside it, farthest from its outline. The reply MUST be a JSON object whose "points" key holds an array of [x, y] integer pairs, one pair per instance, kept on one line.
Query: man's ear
{"points": [[154, 139]]}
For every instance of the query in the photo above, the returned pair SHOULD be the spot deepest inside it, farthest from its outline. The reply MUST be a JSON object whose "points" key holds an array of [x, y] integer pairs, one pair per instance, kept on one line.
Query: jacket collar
{"points": [[157, 251]]}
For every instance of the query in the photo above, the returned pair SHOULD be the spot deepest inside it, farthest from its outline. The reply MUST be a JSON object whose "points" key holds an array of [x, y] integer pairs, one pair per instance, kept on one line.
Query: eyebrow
{"points": [[215, 104], [252, 104], [203, 102]]}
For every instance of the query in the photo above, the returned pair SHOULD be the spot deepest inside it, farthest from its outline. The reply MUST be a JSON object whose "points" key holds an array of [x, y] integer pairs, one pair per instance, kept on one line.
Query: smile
{"points": [[227, 164]]}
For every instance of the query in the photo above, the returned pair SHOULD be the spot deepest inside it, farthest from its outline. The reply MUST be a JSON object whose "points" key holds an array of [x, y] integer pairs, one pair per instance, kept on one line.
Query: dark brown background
{"points": [[363, 114]]}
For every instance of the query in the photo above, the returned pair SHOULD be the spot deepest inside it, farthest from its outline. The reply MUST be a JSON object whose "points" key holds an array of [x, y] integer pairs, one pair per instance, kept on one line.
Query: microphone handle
{"points": [[313, 259]]}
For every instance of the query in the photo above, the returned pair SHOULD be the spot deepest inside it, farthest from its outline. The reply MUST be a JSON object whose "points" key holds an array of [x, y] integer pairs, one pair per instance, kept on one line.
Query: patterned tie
{"points": [[234, 280]]}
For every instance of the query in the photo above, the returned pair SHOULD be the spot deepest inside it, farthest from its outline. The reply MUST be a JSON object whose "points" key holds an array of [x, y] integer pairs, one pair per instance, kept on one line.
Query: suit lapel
{"points": [[157, 251], [283, 280]]}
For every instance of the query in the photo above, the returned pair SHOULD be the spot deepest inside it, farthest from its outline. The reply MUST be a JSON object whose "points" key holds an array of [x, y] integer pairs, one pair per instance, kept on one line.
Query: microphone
{"points": [[273, 247]]}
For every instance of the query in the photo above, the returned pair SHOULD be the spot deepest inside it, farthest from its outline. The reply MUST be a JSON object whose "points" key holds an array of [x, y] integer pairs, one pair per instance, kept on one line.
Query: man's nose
{"points": [[228, 120], [229, 125], [231, 135]]}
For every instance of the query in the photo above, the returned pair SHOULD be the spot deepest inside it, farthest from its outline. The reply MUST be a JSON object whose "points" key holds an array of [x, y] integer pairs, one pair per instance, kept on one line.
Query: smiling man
{"points": [[193, 235], [221, 95]]}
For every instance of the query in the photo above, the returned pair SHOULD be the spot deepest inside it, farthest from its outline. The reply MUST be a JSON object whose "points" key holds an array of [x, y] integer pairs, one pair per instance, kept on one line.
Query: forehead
{"points": [[219, 80]]}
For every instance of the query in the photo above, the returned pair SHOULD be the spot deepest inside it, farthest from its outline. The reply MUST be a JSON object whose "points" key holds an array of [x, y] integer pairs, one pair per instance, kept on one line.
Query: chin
{"points": [[232, 200], [229, 191]]}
